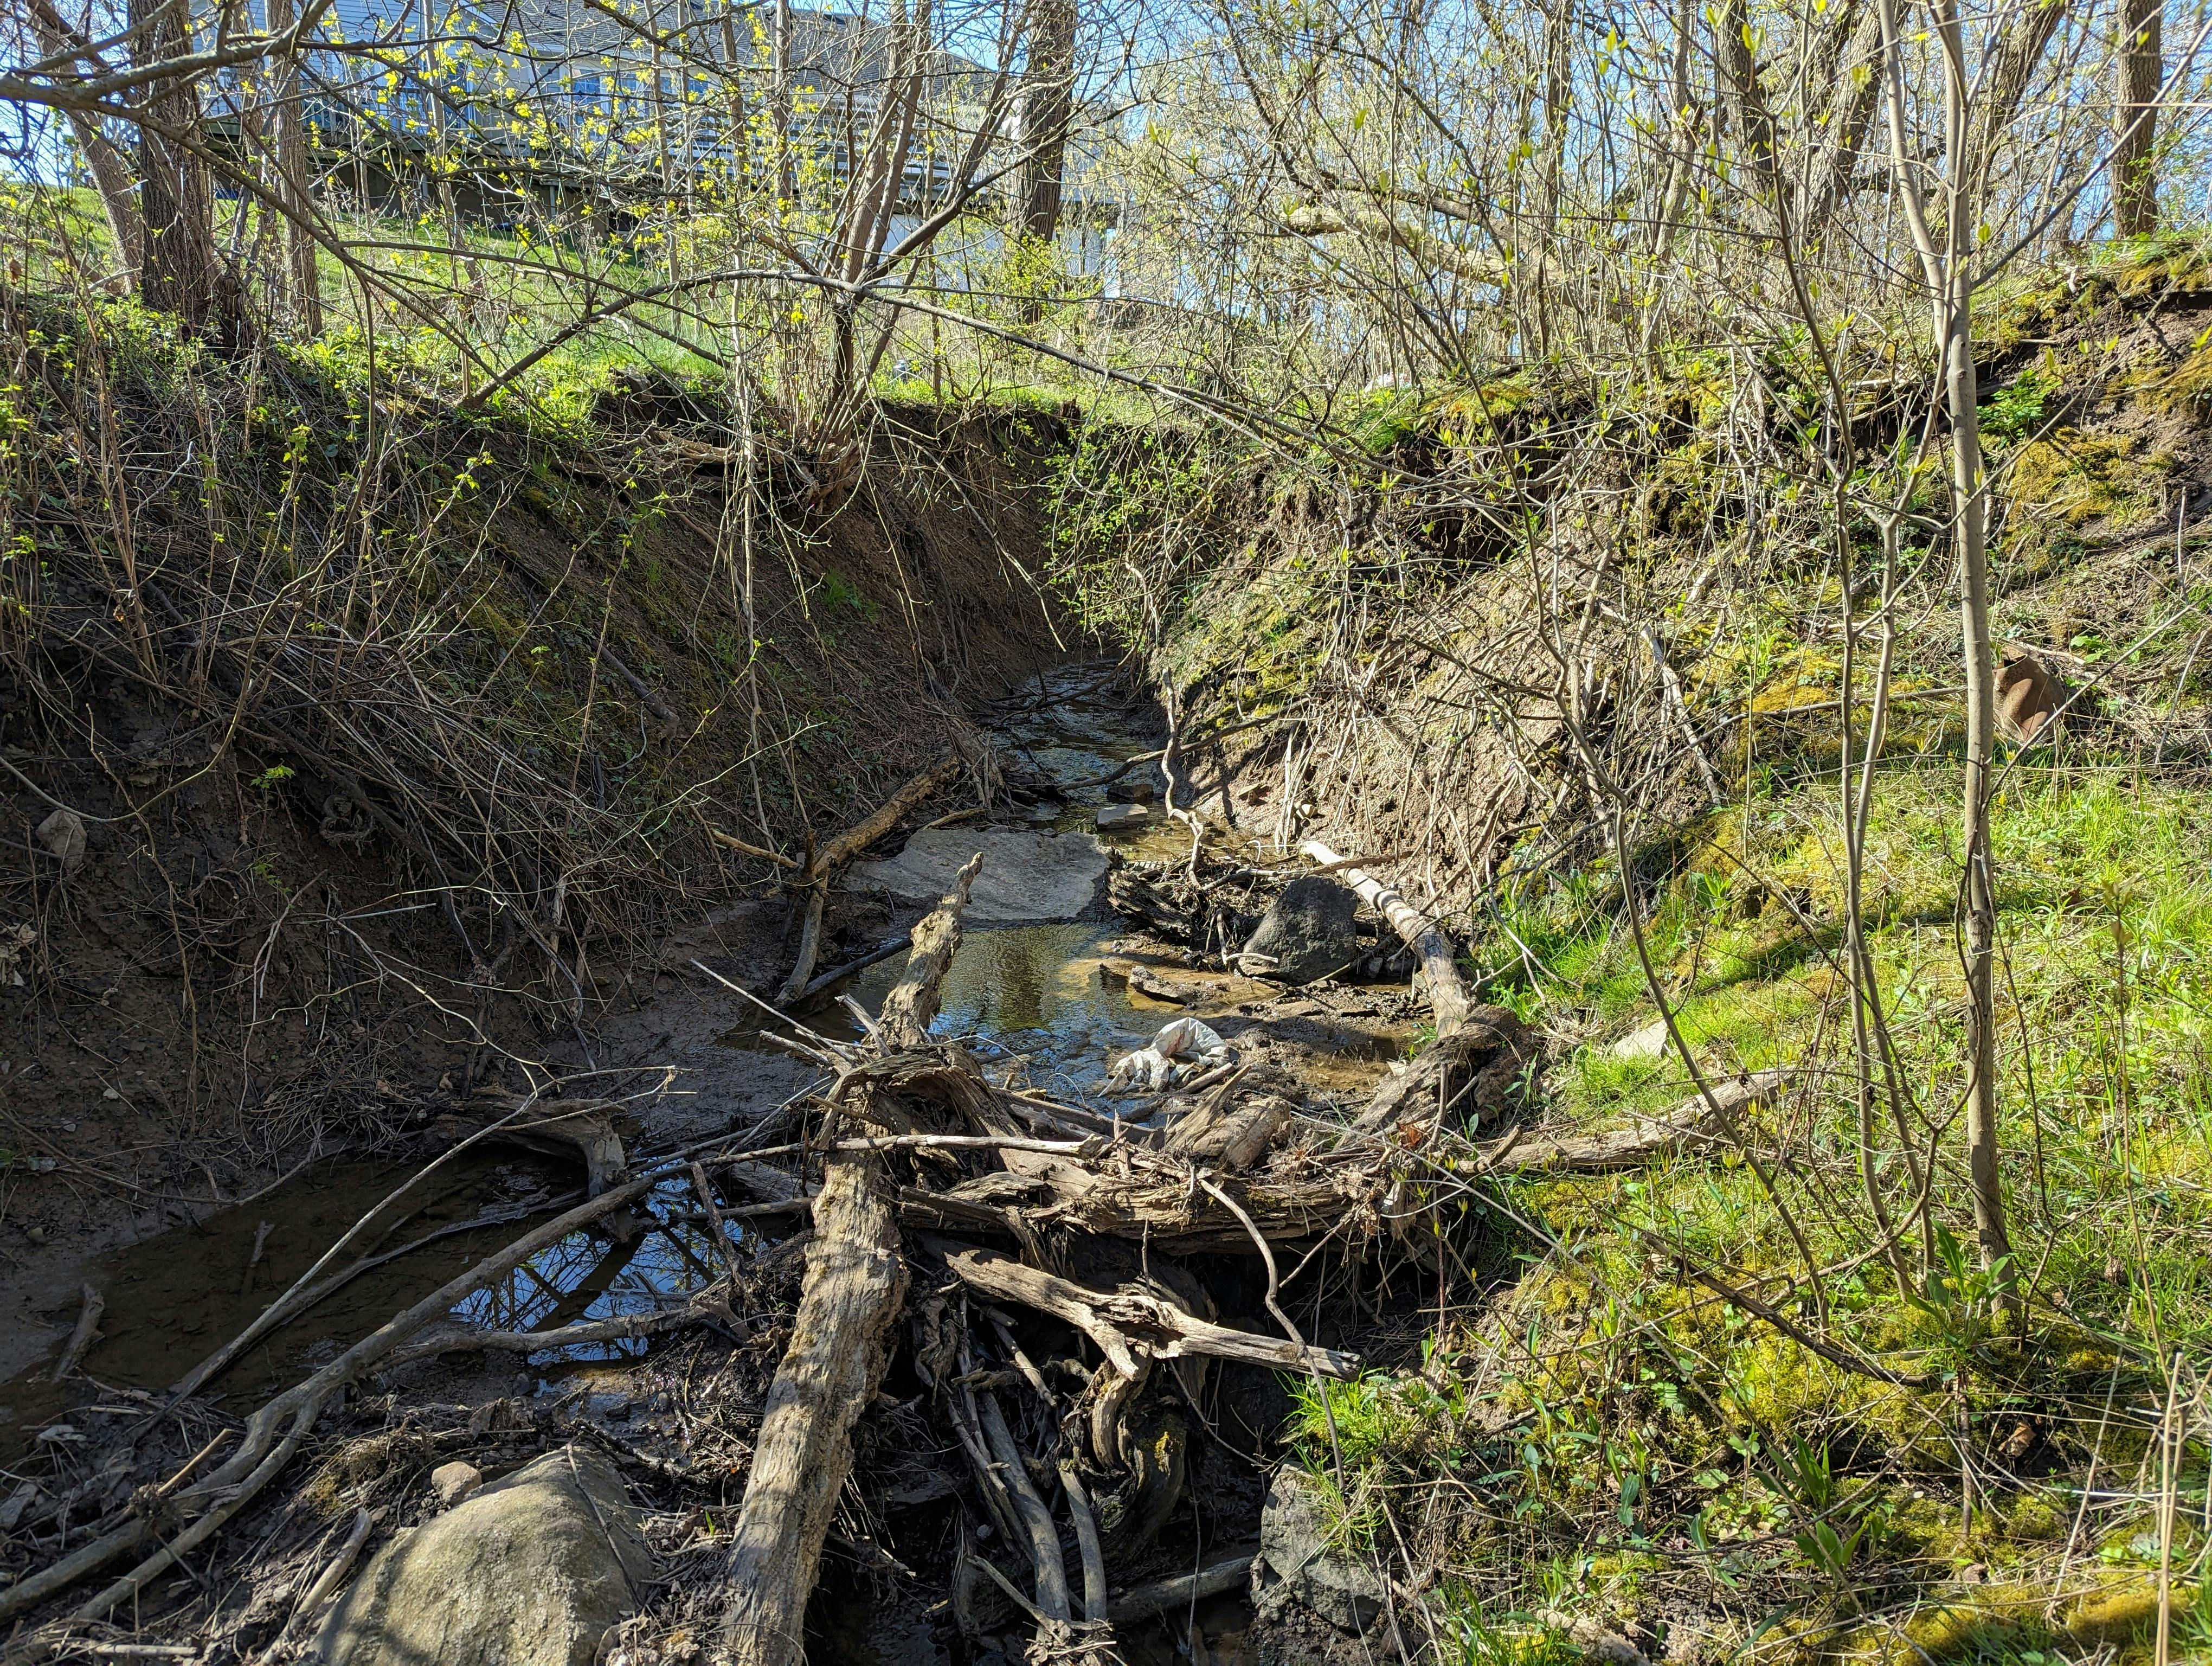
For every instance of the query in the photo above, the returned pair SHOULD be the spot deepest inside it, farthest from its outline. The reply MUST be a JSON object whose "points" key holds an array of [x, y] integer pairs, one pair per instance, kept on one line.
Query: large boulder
{"points": [[1299, 1564], [1310, 933], [530, 1570]]}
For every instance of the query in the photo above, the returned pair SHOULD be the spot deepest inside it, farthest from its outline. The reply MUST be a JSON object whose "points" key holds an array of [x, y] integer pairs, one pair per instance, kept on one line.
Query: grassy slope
{"points": [[1602, 1433]]}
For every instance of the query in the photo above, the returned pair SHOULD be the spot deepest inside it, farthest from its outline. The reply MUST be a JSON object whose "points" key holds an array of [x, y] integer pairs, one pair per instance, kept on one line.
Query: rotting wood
{"points": [[1447, 1000], [1230, 1133], [554, 1128], [1130, 1321], [1464, 1075], [855, 1284]]}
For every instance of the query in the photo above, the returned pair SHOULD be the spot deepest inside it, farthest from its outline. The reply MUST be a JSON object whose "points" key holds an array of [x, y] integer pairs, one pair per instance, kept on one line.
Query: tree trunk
{"points": [[1947, 271], [288, 135], [2142, 67], [180, 273], [1970, 502], [110, 172], [1047, 98]]}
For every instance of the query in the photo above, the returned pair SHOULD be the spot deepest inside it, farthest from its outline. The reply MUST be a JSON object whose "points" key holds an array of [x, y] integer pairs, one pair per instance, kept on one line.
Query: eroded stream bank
{"points": [[1078, 947]]}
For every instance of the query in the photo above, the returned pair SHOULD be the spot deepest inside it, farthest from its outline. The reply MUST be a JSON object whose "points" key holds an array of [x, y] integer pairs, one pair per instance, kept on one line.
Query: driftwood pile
{"points": [[949, 1201], [934, 1205]]}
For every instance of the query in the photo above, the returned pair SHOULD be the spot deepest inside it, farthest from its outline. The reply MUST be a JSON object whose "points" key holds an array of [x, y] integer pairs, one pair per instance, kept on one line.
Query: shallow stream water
{"points": [[1034, 992], [1034, 1002]]}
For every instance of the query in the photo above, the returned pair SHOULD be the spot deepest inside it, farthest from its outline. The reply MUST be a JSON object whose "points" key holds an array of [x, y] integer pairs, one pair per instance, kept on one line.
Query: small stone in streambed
{"points": [[530, 1570], [1133, 789], [1310, 933], [1116, 817], [454, 1481]]}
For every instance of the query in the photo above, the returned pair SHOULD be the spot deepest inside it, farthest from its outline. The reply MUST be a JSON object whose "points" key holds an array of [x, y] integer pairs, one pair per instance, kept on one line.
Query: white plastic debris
{"points": [[1182, 1048]]}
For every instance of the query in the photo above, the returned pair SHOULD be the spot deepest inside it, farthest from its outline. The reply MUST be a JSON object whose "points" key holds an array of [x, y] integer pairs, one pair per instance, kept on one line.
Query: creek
{"points": [[1034, 998]]}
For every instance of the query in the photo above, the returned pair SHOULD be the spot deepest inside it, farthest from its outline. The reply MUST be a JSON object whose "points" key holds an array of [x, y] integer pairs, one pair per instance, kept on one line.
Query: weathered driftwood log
{"points": [[1463, 1078], [855, 1281], [1130, 1323], [581, 1128], [834, 851], [1166, 1595], [1230, 1133], [854, 1284], [1447, 996], [1686, 1127]]}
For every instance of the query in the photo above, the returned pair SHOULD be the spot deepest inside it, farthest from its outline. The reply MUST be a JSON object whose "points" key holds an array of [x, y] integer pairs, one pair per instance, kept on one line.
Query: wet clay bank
{"points": [[650, 1329]]}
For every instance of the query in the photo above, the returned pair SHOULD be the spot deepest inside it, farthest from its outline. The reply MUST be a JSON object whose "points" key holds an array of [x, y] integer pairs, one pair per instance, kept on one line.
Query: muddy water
{"points": [[1030, 993], [173, 1299]]}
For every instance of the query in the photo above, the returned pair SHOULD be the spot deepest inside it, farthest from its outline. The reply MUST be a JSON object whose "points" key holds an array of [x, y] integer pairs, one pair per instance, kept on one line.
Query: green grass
{"points": [[1656, 1422]]}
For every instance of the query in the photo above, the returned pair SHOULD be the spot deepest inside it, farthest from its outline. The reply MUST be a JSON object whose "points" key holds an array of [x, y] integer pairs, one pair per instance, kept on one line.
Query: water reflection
{"points": [[587, 1276]]}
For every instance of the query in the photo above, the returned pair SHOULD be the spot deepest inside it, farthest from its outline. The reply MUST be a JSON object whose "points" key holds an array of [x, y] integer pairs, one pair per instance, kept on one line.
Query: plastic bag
{"points": [[1183, 1047]]}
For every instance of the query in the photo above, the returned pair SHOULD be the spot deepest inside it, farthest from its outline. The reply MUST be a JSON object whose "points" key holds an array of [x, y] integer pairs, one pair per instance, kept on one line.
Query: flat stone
{"points": [[1116, 817], [530, 1570], [1648, 1042], [1133, 789], [1310, 933], [454, 1481], [1028, 877]]}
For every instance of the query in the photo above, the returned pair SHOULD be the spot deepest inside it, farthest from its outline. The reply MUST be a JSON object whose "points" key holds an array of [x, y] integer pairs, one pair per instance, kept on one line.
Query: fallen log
{"points": [[1447, 996], [1130, 1323], [855, 1284], [843, 847], [554, 1128], [1686, 1127], [1165, 1596]]}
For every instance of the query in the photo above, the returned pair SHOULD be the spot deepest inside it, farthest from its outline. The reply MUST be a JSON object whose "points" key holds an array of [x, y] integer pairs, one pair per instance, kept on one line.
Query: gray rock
{"points": [[1133, 789], [1309, 932], [1116, 818], [1297, 1563], [1027, 878], [530, 1570]]}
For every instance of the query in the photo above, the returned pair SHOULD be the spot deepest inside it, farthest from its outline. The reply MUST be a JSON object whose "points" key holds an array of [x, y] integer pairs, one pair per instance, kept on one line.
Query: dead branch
{"points": [[1131, 1323], [87, 1328], [1447, 996]]}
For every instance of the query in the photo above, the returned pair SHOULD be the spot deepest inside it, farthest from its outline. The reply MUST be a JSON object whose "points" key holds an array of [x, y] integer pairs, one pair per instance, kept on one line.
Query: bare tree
{"points": [[111, 170], [181, 271], [2140, 61], [1945, 244], [1047, 100]]}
